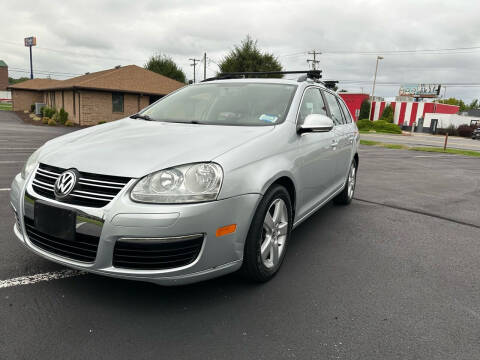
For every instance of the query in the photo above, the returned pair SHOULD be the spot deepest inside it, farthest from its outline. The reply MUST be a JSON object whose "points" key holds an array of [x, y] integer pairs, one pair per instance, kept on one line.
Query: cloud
{"points": [[76, 37]]}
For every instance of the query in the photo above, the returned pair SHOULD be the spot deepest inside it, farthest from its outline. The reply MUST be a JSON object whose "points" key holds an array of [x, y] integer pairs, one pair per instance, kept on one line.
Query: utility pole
{"points": [[29, 42], [195, 61], [204, 65], [373, 89], [314, 61], [375, 77]]}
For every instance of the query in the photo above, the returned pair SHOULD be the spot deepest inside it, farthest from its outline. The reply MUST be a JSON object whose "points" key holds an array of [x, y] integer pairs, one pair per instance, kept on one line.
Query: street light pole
{"points": [[374, 82], [375, 77]]}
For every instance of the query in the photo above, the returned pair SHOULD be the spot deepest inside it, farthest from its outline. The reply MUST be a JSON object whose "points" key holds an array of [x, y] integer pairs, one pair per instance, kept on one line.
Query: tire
{"points": [[346, 196], [260, 268]]}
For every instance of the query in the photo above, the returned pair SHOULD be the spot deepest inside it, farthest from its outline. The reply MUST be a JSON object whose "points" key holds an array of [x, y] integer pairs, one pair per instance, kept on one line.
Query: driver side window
{"points": [[312, 103]]}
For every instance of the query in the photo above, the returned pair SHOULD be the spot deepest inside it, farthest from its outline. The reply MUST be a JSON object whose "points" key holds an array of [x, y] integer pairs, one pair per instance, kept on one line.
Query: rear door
{"points": [[341, 134]]}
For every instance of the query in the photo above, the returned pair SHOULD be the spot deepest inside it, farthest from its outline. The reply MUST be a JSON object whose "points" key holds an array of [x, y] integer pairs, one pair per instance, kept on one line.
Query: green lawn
{"points": [[419, 148], [5, 106]]}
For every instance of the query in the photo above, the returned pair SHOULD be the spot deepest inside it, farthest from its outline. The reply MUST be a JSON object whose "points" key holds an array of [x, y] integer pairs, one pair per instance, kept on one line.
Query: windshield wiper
{"points": [[143, 117]]}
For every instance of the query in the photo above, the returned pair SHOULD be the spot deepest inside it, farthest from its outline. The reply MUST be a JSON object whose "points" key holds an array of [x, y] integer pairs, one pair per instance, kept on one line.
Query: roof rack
{"points": [[308, 74]]}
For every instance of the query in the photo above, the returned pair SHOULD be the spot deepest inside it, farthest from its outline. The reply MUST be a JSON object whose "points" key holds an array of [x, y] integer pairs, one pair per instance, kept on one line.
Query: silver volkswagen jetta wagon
{"points": [[206, 181]]}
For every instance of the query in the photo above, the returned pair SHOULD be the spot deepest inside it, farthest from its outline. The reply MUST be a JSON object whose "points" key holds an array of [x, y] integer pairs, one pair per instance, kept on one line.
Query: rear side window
{"points": [[346, 112], [312, 103], [335, 111]]}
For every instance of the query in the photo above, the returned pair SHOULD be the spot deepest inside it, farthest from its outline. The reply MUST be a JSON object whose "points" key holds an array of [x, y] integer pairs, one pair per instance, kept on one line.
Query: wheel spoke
{"points": [[283, 227], [277, 210], [268, 223], [274, 253], [266, 247]]}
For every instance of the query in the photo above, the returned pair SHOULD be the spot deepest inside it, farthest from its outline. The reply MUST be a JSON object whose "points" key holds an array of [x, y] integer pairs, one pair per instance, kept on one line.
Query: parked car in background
{"points": [[208, 180], [476, 133]]}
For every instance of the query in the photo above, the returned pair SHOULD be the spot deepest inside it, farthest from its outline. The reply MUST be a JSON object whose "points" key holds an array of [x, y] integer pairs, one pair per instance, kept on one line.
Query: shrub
{"points": [[451, 131], [68, 123], [31, 116], [48, 111], [387, 114], [45, 120], [25, 111], [365, 124], [101, 122], [52, 122], [36, 118], [364, 109], [386, 127], [32, 108], [62, 116], [465, 130]]}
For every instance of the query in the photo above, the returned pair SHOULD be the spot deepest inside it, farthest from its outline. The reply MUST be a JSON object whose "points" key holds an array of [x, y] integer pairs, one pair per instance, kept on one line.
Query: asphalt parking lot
{"points": [[395, 275]]}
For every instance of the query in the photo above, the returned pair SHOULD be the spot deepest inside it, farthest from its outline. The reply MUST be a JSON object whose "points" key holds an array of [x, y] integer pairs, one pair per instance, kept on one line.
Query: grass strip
{"points": [[421, 148]]}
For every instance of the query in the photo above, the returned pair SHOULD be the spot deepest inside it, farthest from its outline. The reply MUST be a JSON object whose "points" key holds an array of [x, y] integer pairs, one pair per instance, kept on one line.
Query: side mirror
{"points": [[316, 123]]}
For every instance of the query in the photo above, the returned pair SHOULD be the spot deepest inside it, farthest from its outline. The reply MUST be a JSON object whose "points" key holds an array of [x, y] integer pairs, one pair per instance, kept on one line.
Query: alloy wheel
{"points": [[274, 233]]}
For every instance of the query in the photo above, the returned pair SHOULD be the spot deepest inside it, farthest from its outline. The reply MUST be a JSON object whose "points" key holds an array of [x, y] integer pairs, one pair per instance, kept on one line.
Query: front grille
{"points": [[154, 254], [93, 190], [84, 248]]}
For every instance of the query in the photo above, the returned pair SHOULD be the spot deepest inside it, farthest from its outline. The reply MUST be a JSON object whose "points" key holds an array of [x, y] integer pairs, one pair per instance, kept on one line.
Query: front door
{"points": [[316, 156]]}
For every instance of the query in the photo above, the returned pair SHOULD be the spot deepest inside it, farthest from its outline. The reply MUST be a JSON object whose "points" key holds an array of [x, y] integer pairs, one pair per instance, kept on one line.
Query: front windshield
{"points": [[243, 104]]}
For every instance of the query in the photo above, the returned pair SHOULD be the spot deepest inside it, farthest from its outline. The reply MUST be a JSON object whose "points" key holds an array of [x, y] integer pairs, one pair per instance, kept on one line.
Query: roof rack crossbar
{"points": [[312, 74]]}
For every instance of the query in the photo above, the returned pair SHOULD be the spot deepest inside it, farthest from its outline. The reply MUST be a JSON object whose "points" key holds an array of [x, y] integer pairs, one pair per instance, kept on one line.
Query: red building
{"points": [[354, 101]]}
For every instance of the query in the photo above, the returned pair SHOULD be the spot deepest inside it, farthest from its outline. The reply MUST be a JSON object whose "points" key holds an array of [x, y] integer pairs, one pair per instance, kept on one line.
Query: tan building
{"points": [[101, 96]]}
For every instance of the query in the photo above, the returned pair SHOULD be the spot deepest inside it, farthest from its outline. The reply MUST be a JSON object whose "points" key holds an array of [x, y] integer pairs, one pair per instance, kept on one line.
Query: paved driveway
{"points": [[395, 275], [425, 140]]}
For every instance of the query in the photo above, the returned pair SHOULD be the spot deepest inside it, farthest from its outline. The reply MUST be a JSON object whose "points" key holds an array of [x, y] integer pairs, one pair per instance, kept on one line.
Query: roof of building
{"points": [[34, 84], [472, 112], [130, 78], [3, 63]]}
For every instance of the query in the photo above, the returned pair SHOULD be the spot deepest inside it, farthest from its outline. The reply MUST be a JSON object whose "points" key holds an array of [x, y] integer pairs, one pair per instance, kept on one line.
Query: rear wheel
{"points": [[346, 196], [268, 236]]}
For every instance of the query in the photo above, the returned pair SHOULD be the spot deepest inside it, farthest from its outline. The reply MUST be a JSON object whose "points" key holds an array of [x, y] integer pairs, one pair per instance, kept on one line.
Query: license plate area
{"points": [[55, 221]]}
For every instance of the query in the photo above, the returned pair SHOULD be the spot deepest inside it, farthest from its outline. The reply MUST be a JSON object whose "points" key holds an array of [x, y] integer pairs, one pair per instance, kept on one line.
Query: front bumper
{"points": [[122, 218]]}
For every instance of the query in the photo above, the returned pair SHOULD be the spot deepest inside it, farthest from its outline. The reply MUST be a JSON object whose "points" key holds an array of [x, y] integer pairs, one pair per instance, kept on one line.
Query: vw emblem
{"points": [[65, 183]]}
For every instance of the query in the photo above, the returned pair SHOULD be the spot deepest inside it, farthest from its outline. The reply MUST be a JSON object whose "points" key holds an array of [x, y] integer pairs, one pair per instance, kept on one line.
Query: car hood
{"points": [[135, 148]]}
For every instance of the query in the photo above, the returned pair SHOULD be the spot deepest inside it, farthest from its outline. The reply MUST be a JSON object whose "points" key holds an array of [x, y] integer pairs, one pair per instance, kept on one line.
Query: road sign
{"points": [[30, 41]]}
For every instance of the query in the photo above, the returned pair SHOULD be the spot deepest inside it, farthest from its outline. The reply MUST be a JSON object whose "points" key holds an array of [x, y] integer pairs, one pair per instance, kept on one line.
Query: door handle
{"points": [[334, 144]]}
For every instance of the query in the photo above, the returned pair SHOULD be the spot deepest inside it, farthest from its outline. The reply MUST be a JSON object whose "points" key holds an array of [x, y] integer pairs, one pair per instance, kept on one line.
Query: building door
{"points": [[433, 126]]}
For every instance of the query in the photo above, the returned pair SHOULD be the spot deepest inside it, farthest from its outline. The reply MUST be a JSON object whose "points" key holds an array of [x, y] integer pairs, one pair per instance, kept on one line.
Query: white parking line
{"points": [[32, 279], [5, 189]]}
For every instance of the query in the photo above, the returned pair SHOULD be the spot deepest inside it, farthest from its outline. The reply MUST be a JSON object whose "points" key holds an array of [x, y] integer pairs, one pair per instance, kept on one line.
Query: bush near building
{"points": [[48, 111], [465, 130], [451, 131], [380, 126], [387, 114], [364, 109]]}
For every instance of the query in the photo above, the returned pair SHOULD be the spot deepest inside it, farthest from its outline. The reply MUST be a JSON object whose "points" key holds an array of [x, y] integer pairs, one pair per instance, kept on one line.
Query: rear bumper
{"points": [[123, 218]]}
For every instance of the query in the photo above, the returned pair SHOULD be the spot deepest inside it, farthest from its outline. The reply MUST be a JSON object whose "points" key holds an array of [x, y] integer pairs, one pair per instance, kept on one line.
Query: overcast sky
{"points": [[75, 37]]}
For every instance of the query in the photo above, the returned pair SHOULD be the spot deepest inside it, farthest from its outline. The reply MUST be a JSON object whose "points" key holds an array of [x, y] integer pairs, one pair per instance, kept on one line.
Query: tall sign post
{"points": [[29, 42]]}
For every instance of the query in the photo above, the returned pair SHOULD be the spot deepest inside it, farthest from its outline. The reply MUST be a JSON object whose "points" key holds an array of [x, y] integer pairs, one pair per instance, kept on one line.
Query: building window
{"points": [[117, 102]]}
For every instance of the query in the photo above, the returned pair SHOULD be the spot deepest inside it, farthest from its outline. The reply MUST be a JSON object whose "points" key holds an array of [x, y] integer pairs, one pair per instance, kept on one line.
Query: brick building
{"points": [[101, 96], [3, 75]]}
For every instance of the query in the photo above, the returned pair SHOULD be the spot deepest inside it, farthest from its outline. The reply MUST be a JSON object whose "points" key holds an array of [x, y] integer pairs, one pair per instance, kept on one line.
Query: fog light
{"points": [[225, 230]]}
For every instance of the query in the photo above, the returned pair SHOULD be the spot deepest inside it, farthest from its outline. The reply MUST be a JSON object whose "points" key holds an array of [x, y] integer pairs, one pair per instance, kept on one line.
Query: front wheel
{"points": [[268, 236], [346, 196]]}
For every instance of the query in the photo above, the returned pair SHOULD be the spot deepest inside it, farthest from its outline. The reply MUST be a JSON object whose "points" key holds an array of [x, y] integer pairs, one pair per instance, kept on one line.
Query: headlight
{"points": [[30, 164], [183, 184]]}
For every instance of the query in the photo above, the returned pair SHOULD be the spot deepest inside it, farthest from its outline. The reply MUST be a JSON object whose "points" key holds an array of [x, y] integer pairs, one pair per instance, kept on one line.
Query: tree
{"points": [[12, 81], [247, 57], [365, 109], [164, 65], [387, 114], [474, 104], [454, 101]]}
